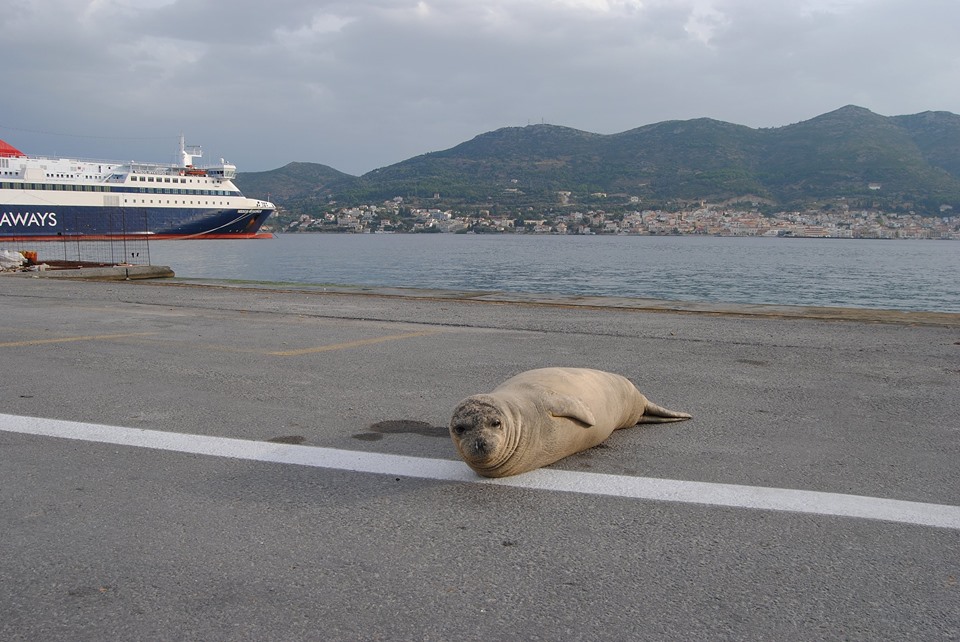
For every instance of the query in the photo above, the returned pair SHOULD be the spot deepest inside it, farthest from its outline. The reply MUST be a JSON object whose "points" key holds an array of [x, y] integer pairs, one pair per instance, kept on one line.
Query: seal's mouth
{"points": [[476, 444], [476, 448]]}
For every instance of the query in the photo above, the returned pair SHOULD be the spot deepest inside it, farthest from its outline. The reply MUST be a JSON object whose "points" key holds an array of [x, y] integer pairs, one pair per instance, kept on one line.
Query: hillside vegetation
{"points": [[901, 163]]}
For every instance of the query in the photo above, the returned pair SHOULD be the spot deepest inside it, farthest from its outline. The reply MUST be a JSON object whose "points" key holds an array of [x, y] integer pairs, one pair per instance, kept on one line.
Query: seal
{"points": [[541, 416]]}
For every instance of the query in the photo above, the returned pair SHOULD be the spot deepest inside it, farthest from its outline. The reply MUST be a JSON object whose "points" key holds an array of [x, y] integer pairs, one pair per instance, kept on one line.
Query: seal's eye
{"points": [[460, 429], [495, 423]]}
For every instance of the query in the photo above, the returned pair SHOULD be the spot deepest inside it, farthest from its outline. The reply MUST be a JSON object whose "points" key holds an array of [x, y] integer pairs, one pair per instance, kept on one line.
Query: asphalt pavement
{"points": [[252, 539]]}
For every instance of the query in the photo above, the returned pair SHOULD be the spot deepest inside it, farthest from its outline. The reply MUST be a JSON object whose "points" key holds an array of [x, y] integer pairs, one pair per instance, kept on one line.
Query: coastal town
{"points": [[838, 222]]}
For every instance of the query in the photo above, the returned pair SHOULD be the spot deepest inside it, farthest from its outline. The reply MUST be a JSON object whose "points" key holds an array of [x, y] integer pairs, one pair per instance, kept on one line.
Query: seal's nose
{"points": [[480, 446]]}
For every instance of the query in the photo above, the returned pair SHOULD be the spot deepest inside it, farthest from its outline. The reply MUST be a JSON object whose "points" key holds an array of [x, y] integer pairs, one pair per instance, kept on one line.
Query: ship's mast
{"points": [[188, 153]]}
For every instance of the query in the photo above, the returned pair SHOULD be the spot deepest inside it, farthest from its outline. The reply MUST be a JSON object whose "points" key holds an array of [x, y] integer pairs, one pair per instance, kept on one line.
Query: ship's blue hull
{"points": [[59, 221]]}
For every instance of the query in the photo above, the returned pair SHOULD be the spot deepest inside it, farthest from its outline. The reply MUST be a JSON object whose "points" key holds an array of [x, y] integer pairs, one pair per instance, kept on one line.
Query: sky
{"points": [[362, 84]]}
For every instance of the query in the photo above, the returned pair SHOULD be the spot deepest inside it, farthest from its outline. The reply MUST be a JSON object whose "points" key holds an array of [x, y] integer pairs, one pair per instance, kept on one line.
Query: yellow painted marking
{"points": [[94, 337], [352, 344]]}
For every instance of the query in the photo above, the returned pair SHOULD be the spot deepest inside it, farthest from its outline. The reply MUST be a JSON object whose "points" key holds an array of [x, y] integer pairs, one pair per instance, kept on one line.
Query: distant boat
{"points": [[47, 199]]}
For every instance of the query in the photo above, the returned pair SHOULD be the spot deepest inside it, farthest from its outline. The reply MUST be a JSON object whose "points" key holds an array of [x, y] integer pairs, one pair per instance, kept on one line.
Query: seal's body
{"points": [[541, 416]]}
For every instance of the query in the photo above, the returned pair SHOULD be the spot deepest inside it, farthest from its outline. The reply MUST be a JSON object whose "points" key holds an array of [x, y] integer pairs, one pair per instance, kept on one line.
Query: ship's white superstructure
{"points": [[53, 197]]}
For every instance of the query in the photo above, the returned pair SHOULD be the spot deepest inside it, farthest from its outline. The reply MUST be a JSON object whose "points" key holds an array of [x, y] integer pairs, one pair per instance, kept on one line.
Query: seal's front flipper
{"points": [[565, 406]]}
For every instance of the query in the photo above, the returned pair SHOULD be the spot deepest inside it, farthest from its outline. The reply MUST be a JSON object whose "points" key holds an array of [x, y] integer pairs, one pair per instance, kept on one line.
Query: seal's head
{"points": [[483, 430]]}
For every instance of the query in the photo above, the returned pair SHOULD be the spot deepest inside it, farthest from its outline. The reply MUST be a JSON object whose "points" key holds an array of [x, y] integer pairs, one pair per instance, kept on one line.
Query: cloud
{"points": [[364, 83]]}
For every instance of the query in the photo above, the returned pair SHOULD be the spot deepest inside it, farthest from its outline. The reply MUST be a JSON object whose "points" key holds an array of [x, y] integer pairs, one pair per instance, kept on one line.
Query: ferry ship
{"points": [[55, 198]]}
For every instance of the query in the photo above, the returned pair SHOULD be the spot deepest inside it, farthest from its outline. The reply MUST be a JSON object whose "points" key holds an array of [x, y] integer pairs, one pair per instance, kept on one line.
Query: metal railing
{"points": [[124, 242]]}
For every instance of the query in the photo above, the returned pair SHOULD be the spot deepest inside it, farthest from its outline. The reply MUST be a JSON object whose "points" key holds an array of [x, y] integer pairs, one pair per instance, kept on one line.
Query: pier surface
{"points": [[211, 460]]}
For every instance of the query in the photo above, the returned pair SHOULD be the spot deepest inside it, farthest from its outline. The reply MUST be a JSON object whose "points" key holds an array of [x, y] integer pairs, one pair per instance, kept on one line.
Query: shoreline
{"points": [[772, 311], [275, 233], [162, 275]]}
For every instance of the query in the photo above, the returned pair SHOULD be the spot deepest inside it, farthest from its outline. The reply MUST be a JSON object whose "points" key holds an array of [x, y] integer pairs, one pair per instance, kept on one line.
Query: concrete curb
{"points": [[113, 273], [863, 315]]}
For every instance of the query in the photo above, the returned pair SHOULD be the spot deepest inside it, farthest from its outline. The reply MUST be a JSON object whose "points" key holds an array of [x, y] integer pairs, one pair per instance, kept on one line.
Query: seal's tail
{"points": [[654, 414]]}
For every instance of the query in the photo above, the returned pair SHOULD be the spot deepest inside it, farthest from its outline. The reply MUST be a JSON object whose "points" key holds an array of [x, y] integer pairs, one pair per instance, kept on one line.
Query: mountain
{"points": [[895, 163], [295, 183], [937, 135], [840, 154]]}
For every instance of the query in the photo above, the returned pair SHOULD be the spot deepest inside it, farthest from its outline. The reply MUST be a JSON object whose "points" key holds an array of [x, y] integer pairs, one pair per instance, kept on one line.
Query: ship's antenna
{"points": [[187, 154], [185, 159]]}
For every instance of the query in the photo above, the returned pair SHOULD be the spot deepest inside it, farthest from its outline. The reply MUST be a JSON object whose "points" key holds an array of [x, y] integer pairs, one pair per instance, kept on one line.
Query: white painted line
{"points": [[729, 495]]}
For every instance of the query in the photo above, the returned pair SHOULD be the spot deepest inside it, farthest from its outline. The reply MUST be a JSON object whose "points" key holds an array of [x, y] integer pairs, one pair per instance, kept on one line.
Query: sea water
{"points": [[892, 274]]}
